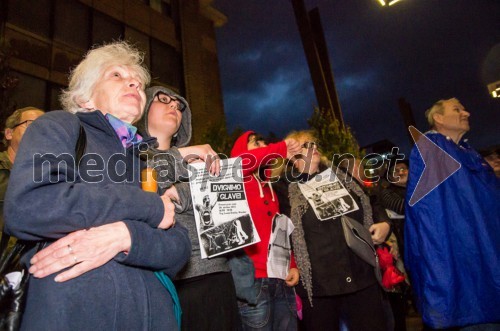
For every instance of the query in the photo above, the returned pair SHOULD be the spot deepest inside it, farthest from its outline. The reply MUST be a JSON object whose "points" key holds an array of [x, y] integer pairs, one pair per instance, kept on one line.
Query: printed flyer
{"points": [[221, 210], [327, 196]]}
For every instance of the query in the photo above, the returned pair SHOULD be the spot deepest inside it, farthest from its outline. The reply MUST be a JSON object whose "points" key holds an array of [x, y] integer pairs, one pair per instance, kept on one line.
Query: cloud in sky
{"points": [[420, 50], [272, 101]]}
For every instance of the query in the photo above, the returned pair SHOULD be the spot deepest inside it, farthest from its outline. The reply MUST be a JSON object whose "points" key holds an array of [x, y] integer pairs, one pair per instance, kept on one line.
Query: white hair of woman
{"points": [[83, 78]]}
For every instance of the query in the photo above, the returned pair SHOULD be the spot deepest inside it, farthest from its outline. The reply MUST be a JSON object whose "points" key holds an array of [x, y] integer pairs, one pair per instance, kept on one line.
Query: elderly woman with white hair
{"points": [[114, 234]]}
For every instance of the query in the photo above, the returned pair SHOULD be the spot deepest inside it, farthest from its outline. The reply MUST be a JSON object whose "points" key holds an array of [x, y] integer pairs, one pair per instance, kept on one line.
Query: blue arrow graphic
{"points": [[439, 166]]}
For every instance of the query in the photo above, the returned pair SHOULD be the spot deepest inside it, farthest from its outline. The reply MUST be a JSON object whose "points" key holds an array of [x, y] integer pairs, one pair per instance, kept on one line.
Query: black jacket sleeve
{"points": [[281, 189], [392, 200]]}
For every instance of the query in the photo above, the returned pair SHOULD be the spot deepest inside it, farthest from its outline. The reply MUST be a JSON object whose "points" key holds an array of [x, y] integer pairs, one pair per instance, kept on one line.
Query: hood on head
{"points": [[241, 144], [183, 135]]}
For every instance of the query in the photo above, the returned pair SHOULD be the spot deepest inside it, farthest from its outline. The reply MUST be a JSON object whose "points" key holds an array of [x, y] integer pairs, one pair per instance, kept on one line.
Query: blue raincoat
{"points": [[452, 237]]}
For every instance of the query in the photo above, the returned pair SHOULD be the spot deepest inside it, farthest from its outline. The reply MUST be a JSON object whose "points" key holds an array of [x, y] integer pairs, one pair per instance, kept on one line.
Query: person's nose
{"points": [[134, 82], [174, 104], [466, 113]]}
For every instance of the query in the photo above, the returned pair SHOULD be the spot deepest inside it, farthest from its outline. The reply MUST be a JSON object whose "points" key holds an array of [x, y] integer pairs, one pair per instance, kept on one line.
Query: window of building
{"points": [[140, 40], [105, 29], [166, 63], [54, 93], [72, 23], [166, 8], [162, 6], [33, 16], [30, 91], [29, 48], [64, 59]]}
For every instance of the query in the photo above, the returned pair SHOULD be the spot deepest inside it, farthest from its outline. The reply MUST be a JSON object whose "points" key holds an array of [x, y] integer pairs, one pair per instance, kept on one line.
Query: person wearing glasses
{"points": [[337, 287], [167, 117], [275, 307], [15, 126], [105, 235]]}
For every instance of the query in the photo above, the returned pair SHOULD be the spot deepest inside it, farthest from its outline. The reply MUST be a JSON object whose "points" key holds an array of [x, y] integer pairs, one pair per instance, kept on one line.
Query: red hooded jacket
{"points": [[261, 199]]}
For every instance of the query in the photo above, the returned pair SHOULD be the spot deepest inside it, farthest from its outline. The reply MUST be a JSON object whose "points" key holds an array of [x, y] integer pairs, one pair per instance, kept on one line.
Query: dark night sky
{"points": [[422, 50]]}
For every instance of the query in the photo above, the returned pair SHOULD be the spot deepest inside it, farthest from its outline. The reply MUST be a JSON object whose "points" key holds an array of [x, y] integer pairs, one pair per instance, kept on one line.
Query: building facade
{"points": [[48, 37]]}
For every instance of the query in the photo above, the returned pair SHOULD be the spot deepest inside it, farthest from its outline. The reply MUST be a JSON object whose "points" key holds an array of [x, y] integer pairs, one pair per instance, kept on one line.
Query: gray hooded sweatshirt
{"points": [[171, 170]]}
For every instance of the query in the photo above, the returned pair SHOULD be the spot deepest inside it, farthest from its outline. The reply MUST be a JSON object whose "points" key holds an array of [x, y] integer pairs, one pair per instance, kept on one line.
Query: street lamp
{"points": [[494, 89], [388, 2]]}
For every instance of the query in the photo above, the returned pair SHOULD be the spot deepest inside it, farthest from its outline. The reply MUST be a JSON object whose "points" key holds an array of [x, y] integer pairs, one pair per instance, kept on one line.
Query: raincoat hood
{"points": [[241, 144], [183, 135]]}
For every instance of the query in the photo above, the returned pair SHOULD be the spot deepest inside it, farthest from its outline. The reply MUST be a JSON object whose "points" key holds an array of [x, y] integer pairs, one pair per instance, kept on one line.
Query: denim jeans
{"points": [[275, 308]]}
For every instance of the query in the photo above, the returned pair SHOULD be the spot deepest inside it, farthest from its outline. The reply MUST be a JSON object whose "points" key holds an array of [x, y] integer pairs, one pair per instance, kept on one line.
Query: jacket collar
{"points": [[97, 120]]}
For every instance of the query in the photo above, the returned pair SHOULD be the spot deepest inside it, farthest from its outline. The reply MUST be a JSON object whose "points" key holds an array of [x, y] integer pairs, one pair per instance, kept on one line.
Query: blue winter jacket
{"points": [[47, 202], [452, 240]]}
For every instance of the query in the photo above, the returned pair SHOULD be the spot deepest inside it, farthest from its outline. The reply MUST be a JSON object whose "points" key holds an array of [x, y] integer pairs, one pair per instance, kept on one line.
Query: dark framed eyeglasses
{"points": [[167, 99], [27, 122], [309, 144]]}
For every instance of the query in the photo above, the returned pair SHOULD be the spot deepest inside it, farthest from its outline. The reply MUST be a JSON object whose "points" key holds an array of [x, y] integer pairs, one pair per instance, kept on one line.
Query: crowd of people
{"points": [[353, 261]]}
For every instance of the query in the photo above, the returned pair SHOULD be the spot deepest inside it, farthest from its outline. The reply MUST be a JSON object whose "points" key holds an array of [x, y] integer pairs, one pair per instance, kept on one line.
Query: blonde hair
{"points": [[88, 72], [437, 108], [309, 135]]}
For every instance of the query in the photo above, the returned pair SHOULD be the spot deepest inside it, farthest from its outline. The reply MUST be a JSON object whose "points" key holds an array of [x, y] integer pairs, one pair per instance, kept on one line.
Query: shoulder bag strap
{"points": [[80, 146]]}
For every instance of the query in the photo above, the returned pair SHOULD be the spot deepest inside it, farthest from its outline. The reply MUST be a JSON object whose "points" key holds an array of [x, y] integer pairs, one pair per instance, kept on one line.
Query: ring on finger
{"points": [[75, 259]]}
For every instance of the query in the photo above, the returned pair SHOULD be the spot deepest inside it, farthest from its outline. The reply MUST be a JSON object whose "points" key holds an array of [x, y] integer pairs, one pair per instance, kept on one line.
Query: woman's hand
{"points": [[293, 277], [204, 153], [84, 250], [379, 232], [292, 148], [172, 193], [169, 213]]}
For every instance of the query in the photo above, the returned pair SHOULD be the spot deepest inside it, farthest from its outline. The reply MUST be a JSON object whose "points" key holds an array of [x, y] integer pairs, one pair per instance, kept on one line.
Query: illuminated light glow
{"points": [[393, 2], [367, 183], [496, 93], [382, 2], [494, 89]]}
